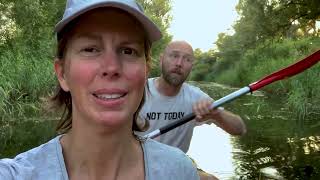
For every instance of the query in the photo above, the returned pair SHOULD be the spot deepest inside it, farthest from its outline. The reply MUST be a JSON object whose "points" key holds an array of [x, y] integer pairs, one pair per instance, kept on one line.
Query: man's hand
{"points": [[203, 112], [226, 120]]}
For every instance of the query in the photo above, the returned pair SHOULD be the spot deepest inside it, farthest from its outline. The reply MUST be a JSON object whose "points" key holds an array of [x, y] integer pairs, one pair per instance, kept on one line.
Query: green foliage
{"points": [[263, 22], [21, 87], [264, 19], [22, 135], [272, 56], [26, 55], [305, 98], [270, 35], [202, 64], [32, 22], [229, 76], [159, 12]]}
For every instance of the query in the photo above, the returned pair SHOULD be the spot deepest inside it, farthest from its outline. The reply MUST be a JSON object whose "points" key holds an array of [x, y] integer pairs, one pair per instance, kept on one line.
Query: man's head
{"points": [[176, 62]]}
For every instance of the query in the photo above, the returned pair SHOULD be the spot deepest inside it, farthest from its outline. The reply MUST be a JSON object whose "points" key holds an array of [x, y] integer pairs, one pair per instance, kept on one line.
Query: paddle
{"points": [[281, 74]]}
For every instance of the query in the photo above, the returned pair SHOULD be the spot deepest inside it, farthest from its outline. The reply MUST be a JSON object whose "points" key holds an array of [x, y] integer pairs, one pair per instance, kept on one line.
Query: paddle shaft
{"points": [[281, 74], [191, 116]]}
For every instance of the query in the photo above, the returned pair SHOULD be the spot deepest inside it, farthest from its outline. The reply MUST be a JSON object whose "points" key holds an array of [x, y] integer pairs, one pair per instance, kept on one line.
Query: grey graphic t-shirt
{"points": [[46, 162], [161, 110]]}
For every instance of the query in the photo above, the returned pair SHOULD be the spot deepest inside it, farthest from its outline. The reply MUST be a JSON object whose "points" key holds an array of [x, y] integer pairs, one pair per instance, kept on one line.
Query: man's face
{"points": [[176, 63]]}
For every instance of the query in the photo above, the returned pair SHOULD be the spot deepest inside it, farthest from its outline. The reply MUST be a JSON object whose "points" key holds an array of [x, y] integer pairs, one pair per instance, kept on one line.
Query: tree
{"points": [[264, 20], [159, 12], [202, 65]]}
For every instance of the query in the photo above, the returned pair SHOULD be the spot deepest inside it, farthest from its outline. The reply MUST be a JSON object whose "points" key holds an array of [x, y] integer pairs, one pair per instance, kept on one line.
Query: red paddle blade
{"points": [[288, 71]]}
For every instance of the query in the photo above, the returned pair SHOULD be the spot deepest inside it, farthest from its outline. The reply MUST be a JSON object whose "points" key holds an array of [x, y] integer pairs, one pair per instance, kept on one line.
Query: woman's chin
{"points": [[116, 119]]}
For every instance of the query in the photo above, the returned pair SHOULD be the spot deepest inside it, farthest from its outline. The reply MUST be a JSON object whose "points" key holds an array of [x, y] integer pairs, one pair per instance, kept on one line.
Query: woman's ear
{"points": [[147, 72], [60, 73]]}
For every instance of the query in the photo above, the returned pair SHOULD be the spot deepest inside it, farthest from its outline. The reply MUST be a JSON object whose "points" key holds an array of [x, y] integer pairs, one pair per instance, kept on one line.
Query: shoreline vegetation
{"points": [[300, 91]]}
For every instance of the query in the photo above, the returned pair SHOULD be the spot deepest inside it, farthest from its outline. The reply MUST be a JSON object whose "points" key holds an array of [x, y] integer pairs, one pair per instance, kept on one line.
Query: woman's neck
{"points": [[96, 156]]}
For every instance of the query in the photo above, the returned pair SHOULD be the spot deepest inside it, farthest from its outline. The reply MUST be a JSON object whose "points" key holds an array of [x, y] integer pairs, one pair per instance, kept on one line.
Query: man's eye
{"points": [[175, 56], [188, 59]]}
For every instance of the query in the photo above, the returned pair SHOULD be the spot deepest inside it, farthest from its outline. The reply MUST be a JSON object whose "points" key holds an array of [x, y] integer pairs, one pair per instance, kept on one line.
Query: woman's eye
{"points": [[90, 51], [129, 51]]}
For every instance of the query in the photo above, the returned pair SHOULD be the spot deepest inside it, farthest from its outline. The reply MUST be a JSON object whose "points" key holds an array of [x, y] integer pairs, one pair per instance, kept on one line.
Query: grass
{"points": [[17, 136], [26, 76]]}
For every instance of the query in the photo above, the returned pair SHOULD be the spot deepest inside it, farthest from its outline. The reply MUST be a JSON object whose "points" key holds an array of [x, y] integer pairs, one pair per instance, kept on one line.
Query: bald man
{"points": [[169, 98]]}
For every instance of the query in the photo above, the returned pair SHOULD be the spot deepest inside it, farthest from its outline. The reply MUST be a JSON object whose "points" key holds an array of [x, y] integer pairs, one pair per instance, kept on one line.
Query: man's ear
{"points": [[60, 73], [161, 59]]}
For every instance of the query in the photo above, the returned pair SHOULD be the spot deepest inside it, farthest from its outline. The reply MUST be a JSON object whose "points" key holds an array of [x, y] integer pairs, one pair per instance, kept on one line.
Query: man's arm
{"points": [[224, 119]]}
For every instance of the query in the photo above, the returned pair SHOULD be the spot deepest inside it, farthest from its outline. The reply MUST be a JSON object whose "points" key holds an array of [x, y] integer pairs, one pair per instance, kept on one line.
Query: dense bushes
{"points": [[302, 90]]}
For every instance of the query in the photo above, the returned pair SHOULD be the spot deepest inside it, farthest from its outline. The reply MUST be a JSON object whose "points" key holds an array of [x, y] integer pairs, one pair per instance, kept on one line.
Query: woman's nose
{"points": [[110, 65]]}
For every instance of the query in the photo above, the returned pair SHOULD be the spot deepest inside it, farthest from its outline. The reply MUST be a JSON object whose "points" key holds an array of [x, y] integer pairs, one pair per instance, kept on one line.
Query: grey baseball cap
{"points": [[75, 8]]}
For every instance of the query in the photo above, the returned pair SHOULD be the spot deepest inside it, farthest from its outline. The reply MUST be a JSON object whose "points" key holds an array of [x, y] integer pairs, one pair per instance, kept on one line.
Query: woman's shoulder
{"points": [[167, 161], [40, 153], [160, 149], [32, 163]]}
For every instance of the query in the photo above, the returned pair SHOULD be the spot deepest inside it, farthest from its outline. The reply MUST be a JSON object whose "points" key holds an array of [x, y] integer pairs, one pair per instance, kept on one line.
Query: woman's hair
{"points": [[62, 100]]}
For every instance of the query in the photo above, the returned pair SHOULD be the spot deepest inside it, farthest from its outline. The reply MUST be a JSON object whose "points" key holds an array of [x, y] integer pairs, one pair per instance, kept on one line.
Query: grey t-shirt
{"points": [[46, 162], [161, 110]]}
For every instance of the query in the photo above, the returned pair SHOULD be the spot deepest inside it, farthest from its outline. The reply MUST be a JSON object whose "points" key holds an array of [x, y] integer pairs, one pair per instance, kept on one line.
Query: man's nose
{"points": [[179, 61]]}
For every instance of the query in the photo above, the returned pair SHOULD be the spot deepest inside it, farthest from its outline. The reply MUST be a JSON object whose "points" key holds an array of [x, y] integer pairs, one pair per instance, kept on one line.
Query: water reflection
{"points": [[212, 150], [277, 145]]}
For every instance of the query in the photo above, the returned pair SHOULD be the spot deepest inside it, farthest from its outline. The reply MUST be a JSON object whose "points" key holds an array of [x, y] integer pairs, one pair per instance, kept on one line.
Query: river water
{"points": [[276, 146]]}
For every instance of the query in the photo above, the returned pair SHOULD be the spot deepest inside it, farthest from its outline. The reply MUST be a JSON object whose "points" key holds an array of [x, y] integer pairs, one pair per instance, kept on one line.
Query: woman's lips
{"points": [[110, 98]]}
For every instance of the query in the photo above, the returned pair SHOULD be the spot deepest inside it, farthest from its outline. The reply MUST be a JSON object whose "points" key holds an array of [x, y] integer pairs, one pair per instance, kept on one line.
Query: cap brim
{"points": [[151, 29]]}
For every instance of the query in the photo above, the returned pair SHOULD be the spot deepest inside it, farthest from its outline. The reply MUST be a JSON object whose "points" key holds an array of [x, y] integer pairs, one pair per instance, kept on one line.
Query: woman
{"points": [[102, 67]]}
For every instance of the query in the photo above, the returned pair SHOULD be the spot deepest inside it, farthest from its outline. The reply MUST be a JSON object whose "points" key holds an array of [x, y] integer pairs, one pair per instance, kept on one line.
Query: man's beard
{"points": [[175, 80]]}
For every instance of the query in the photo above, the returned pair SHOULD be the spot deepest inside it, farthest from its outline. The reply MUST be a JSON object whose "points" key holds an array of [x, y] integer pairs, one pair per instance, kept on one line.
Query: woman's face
{"points": [[104, 68]]}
